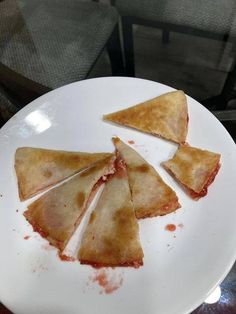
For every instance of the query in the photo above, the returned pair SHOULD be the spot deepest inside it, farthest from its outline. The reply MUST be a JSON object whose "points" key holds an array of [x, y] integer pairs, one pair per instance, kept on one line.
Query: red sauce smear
{"points": [[108, 285], [43, 233], [37, 228], [203, 192], [131, 142], [120, 167], [135, 264], [170, 227], [66, 258], [26, 237]]}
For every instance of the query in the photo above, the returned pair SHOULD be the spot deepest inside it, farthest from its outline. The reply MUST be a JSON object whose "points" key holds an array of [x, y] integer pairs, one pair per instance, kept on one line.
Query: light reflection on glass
{"points": [[214, 296], [38, 121]]}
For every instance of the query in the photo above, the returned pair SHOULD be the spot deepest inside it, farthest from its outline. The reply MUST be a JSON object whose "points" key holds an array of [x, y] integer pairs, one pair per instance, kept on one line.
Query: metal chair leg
{"points": [[115, 53], [128, 46]]}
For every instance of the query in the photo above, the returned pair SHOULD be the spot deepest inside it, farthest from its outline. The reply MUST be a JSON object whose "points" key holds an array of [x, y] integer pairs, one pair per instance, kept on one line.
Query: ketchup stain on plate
{"points": [[107, 279], [26, 237], [131, 142], [170, 227], [66, 258]]}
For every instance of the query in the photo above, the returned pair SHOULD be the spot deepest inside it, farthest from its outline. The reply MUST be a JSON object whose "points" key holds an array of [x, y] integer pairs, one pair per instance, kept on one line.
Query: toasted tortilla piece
{"points": [[194, 168], [38, 169], [165, 116], [150, 194], [57, 213], [112, 234]]}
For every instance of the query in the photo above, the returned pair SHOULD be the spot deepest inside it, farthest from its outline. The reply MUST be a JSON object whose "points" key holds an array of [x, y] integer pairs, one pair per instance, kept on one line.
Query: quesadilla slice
{"points": [[112, 234], [165, 116], [194, 168], [57, 213], [150, 194], [38, 169]]}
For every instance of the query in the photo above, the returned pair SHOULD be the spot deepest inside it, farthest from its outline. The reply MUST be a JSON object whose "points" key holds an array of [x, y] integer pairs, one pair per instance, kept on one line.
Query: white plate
{"points": [[180, 269]]}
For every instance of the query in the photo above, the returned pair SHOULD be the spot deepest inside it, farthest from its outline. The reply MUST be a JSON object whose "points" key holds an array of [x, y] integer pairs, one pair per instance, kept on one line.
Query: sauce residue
{"points": [[26, 237], [37, 229], [203, 192], [120, 167], [66, 258], [170, 227], [47, 247], [131, 142], [108, 282], [181, 225]]}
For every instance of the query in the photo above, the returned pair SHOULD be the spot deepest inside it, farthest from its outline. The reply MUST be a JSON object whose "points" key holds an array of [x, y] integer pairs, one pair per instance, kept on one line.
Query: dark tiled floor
{"points": [[197, 65]]}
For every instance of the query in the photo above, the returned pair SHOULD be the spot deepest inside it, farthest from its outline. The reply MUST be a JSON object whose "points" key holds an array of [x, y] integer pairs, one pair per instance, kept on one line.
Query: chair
{"points": [[228, 119], [8, 106], [225, 115], [210, 19], [49, 43]]}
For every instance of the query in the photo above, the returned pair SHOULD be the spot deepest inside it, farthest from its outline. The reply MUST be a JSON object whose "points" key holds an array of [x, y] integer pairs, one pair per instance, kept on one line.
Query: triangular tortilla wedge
{"points": [[57, 213], [38, 169], [112, 234], [165, 116], [151, 195], [194, 168]]}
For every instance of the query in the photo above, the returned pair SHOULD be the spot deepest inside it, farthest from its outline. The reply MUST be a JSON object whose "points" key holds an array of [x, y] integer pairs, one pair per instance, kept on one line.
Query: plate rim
{"points": [[29, 107]]}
